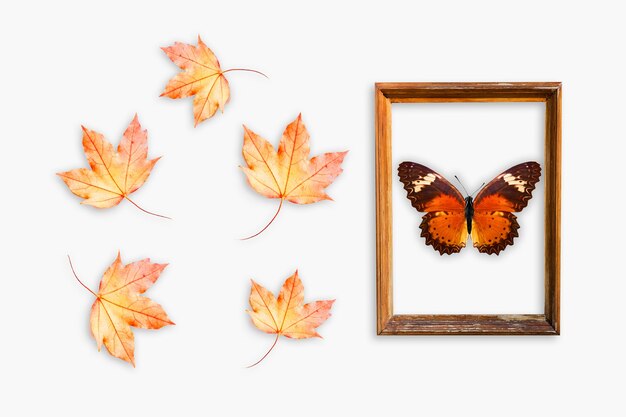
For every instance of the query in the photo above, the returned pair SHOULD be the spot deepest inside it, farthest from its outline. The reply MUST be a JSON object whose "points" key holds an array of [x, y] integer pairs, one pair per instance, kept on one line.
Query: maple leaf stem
{"points": [[268, 352], [146, 211], [247, 70], [267, 225], [78, 279]]}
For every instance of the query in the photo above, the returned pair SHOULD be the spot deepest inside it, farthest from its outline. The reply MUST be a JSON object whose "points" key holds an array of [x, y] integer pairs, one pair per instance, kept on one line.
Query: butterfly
{"points": [[488, 218]]}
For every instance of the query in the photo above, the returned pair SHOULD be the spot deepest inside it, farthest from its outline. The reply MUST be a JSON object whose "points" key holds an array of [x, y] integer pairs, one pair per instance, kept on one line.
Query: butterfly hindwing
{"points": [[444, 226], [494, 225], [446, 231], [492, 231]]}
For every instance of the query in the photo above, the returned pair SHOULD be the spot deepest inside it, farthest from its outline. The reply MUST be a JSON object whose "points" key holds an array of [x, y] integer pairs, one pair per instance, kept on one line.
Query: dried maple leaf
{"points": [[114, 175], [289, 174], [286, 315], [118, 306], [201, 77]]}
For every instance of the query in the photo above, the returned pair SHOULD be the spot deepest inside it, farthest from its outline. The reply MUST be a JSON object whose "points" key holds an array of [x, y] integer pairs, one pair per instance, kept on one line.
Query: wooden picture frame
{"points": [[467, 324]]}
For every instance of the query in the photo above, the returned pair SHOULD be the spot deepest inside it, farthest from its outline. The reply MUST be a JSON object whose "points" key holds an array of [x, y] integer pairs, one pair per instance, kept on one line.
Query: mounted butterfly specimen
{"points": [[488, 218]]}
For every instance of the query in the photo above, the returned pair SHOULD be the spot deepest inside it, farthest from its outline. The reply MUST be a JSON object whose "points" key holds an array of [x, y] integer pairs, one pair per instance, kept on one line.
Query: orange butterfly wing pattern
{"points": [[494, 225], [444, 226]]}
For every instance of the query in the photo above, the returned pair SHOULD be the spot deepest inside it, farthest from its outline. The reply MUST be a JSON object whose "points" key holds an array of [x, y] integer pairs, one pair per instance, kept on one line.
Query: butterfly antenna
{"points": [[478, 189], [462, 186]]}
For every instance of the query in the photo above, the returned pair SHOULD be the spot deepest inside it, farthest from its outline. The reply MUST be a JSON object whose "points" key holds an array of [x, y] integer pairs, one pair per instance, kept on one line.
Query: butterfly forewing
{"points": [[444, 226], [511, 190], [427, 190], [494, 226]]}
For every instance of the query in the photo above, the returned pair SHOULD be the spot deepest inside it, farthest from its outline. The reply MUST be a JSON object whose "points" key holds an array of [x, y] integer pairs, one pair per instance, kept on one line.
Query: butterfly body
{"points": [[451, 218], [469, 212]]}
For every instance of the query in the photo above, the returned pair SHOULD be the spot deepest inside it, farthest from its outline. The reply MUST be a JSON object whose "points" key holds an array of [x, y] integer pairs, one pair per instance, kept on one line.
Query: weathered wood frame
{"points": [[468, 324]]}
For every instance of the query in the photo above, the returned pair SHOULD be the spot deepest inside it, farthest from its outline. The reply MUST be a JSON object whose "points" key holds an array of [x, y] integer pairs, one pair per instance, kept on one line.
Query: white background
{"points": [[476, 142], [65, 64]]}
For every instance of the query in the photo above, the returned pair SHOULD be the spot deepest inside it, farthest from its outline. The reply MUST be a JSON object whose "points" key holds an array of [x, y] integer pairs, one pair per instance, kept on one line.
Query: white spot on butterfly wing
{"points": [[422, 182], [514, 181]]}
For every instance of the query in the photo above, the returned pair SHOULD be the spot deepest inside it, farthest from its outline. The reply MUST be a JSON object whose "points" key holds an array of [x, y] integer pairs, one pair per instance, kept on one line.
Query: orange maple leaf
{"points": [[286, 315], [289, 174], [114, 175], [201, 77], [118, 306]]}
